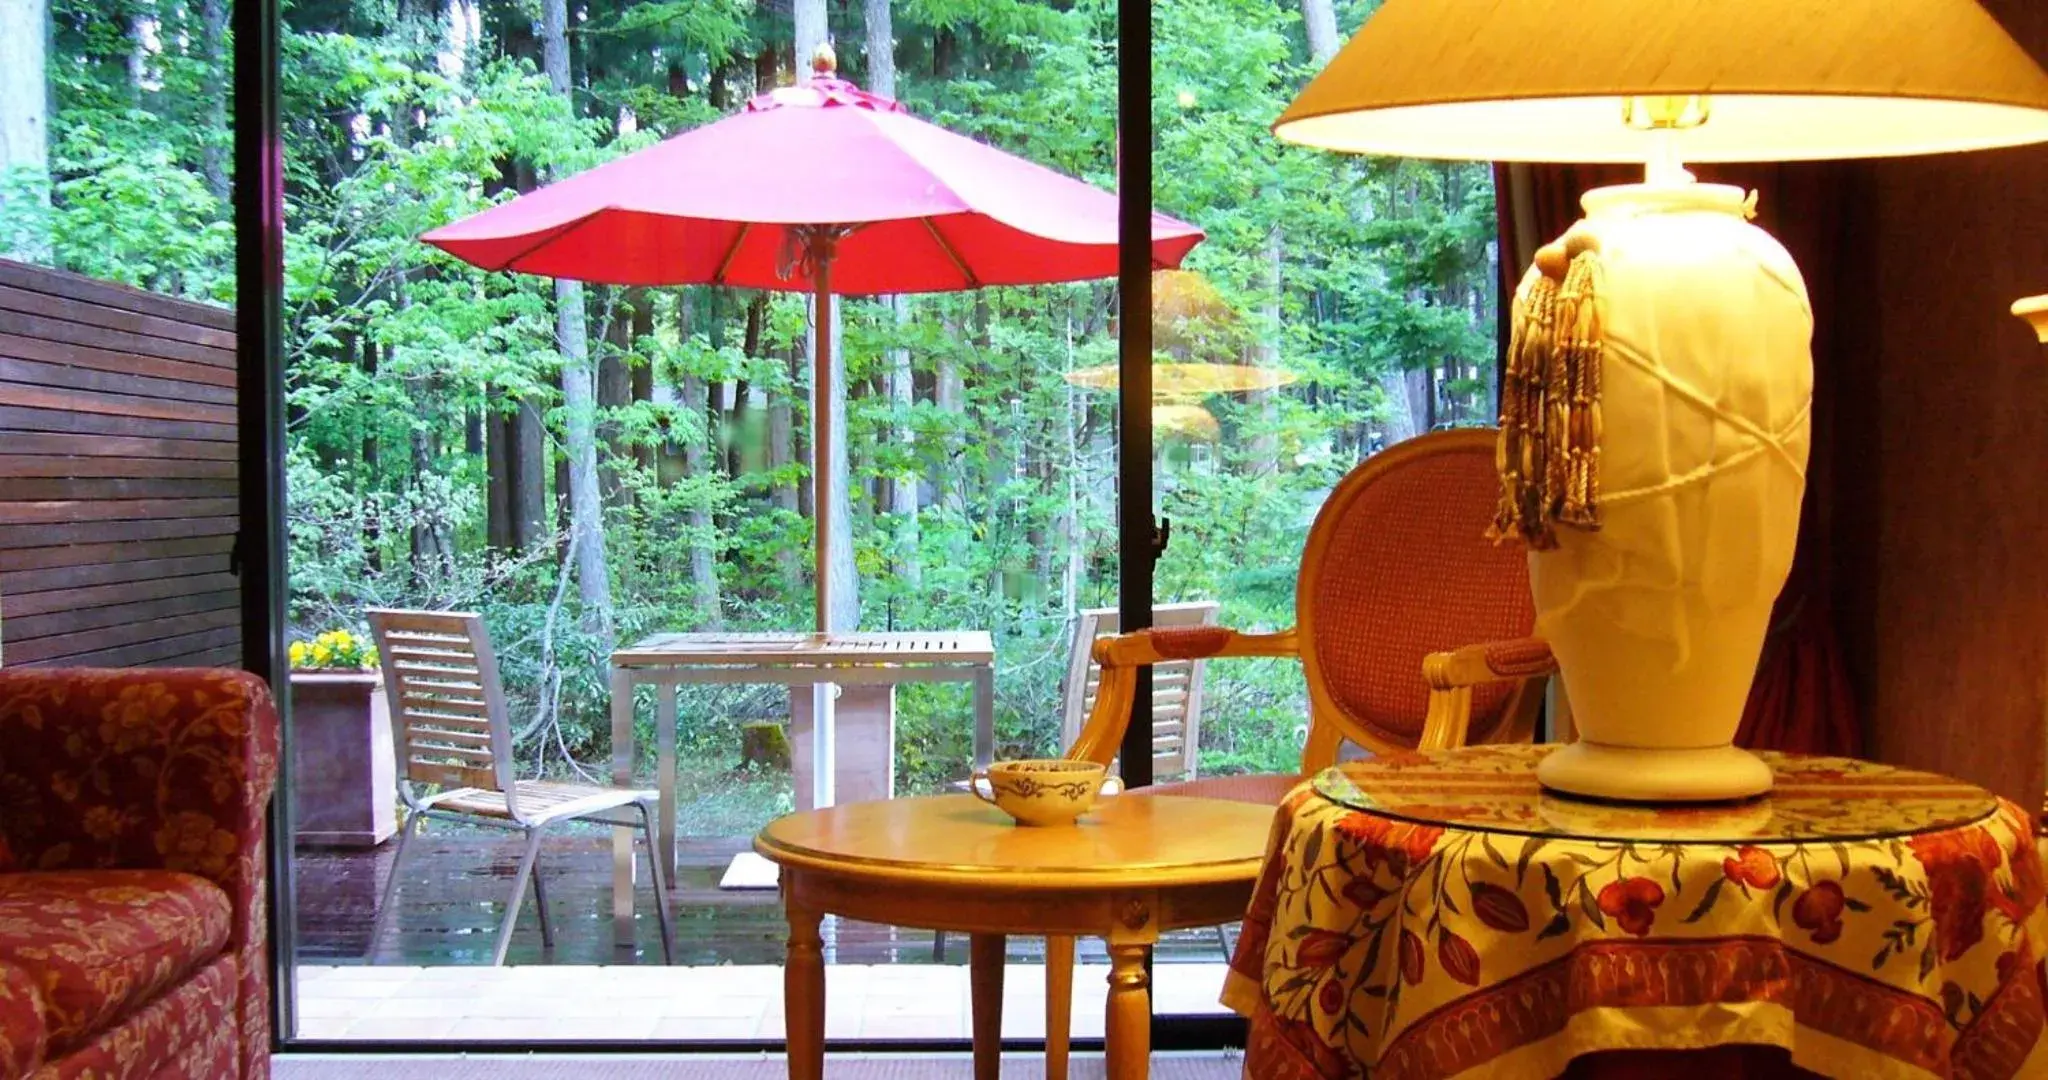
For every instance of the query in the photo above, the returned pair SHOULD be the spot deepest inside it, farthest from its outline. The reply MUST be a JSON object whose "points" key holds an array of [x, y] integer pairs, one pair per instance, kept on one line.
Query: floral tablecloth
{"points": [[1437, 915]]}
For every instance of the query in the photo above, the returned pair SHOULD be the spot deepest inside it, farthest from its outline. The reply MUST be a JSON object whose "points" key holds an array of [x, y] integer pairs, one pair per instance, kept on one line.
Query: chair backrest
{"points": [[1176, 686], [448, 715], [1398, 566]]}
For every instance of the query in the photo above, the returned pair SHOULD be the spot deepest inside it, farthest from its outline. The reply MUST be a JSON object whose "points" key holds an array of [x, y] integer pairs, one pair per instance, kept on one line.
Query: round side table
{"points": [[1128, 870], [1439, 914]]}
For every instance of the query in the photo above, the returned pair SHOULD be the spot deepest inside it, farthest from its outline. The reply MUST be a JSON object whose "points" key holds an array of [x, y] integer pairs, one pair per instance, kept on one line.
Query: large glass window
{"points": [[461, 438], [585, 467], [1339, 306]]}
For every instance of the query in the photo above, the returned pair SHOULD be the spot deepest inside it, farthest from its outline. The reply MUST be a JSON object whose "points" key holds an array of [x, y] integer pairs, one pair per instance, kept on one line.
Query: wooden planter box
{"points": [[344, 776]]}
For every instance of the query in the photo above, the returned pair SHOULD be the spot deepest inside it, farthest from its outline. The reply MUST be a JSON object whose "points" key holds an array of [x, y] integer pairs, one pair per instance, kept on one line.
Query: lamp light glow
{"points": [[1770, 80]]}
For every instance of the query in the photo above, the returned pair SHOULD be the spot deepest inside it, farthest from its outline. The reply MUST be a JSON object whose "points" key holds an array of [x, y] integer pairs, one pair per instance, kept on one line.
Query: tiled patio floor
{"points": [[550, 1003]]}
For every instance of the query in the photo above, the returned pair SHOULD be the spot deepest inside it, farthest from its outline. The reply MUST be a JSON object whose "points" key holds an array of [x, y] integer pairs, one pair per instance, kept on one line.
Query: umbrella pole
{"points": [[824, 757]]}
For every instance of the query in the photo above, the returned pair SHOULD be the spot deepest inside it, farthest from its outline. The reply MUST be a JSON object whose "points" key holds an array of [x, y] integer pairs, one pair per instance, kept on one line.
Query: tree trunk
{"points": [[25, 130], [640, 388], [1319, 19], [700, 459], [898, 378], [141, 23], [703, 563], [527, 460], [1265, 448], [1076, 483], [949, 395], [782, 454], [498, 531], [615, 392], [373, 540], [811, 32], [213, 30], [579, 397]]}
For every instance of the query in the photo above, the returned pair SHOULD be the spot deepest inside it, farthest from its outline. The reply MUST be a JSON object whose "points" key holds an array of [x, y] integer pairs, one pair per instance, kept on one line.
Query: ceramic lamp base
{"points": [[1640, 774]]}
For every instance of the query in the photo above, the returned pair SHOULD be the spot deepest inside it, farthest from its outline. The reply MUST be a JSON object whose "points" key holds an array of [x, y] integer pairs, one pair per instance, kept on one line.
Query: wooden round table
{"points": [[1129, 869]]}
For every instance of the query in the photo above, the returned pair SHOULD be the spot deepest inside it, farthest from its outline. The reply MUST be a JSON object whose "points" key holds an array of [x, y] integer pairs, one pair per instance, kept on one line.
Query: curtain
{"points": [[1801, 700]]}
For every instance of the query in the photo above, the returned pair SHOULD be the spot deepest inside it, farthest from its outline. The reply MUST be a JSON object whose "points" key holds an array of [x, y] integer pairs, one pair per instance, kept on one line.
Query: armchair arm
{"points": [[160, 768], [1121, 655], [1452, 675]]}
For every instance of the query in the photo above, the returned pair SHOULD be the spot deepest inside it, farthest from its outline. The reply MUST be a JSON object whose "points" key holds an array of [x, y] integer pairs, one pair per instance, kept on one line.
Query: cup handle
{"points": [[982, 787]]}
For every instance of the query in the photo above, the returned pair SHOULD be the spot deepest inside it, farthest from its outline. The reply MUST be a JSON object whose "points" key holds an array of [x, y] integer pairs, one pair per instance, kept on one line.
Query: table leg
{"points": [[985, 975], [1059, 1003], [665, 723], [1127, 1031], [623, 934], [984, 715], [803, 992]]}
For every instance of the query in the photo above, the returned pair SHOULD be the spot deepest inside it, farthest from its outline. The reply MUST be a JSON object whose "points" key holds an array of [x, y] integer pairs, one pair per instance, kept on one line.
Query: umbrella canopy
{"points": [[821, 188], [906, 207]]}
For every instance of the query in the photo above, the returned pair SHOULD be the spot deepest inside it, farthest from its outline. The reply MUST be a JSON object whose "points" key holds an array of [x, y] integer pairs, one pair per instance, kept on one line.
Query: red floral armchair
{"points": [[132, 865]]}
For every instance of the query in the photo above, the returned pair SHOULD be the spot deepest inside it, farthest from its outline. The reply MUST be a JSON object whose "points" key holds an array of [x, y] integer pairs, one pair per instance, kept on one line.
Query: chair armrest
{"points": [[1452, 675], [163, 768], [152, 768], [1121, 656], [1494, 661]]}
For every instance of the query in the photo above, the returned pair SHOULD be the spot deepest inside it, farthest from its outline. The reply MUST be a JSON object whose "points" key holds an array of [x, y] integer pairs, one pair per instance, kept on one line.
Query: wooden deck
{"points": [[457, 881]]}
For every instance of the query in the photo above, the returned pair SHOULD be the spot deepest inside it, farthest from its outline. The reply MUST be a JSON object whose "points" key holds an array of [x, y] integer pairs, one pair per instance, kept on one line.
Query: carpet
{"points": [[1225, 1066]]}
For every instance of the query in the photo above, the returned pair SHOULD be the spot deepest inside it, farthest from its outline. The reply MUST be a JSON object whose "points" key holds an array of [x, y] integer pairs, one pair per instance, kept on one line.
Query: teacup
{"points": [[1040, 792]]}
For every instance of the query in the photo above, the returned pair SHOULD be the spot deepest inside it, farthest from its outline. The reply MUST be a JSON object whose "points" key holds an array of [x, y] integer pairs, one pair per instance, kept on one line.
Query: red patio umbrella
{"points": [[822, 188]]}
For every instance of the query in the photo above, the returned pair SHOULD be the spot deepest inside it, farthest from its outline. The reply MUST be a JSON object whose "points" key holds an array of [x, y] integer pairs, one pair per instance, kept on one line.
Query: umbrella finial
{"points": [[824, 61]]}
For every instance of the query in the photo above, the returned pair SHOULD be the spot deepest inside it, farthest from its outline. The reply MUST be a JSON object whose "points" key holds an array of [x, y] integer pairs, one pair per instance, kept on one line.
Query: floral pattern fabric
{"points": [[23, 1033], [189, 1034], [150, 769], [1455, 942], [100, 943]]}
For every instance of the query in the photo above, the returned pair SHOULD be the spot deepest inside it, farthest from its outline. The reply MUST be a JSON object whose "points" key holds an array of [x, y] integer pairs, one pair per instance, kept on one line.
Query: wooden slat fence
{"points": [[117, 475]]}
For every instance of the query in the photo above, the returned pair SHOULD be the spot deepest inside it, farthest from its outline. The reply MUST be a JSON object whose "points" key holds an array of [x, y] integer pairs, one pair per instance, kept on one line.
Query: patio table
{"points": [[667, 661]]}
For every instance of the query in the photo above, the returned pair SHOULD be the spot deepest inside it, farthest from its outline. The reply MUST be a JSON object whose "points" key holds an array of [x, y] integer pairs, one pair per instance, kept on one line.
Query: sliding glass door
{"points": [[585, 466]]}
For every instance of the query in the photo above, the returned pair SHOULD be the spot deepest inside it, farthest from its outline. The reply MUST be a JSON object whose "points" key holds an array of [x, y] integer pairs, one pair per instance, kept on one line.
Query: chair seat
{"points": [[1265, 789], [539, 801], [100, 944]]}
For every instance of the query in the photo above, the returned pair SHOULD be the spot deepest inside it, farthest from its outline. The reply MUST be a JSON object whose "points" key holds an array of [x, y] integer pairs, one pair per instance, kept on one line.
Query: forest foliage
{"points": [[433, 407]]}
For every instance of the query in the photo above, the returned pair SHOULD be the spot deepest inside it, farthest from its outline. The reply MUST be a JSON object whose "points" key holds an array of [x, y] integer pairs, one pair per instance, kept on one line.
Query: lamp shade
{"points": [[1774, 80]]}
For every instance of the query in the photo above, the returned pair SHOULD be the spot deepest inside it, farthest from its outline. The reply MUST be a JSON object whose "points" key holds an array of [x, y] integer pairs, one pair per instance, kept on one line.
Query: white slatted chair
{"points": [[1176, 687], [454, 750]]}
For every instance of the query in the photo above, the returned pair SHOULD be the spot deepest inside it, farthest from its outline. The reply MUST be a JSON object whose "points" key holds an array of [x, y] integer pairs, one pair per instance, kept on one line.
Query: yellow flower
{"points": [[299, 653], [322, 654], [344, 640]]}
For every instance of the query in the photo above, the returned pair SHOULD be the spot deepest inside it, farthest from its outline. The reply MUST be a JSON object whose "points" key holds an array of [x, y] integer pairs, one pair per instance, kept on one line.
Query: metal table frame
{"points": [[668, 661]]}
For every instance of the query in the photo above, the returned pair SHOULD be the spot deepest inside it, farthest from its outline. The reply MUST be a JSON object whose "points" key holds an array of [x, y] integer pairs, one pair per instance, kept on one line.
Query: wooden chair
{"points": [[1411, 627], [454, 735], [1176, 686]]}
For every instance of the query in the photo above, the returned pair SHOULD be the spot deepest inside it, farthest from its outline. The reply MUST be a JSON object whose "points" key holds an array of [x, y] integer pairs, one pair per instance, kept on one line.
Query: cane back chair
{"points": [[1412, 628], [453, 740]]}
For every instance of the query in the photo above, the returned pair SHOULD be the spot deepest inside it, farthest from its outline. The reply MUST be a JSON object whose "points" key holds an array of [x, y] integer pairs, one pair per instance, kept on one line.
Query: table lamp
{"points": [[1655, 397]]}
